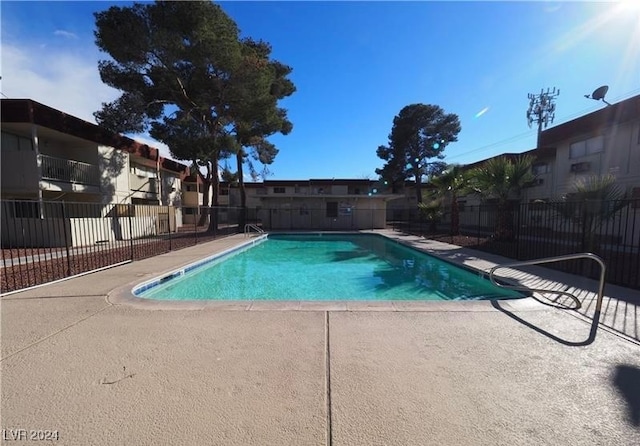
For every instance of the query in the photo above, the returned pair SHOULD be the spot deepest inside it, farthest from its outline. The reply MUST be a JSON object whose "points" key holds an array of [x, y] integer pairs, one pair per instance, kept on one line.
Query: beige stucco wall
{"points": [[19, 168], [298, 213], [114, 175], [621, 157]]}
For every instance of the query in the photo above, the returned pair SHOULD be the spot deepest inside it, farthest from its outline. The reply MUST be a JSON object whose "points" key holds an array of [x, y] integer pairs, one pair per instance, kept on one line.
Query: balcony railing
{"points": [[69, 171]]}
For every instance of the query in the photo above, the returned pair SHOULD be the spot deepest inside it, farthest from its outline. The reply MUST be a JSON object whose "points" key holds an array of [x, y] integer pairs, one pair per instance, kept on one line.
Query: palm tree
{"points": [[431, 210], [591, 202], [502, 178], [454, 181]]}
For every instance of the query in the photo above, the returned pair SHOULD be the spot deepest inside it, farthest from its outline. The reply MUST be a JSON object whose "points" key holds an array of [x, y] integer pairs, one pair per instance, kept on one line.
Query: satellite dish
{"points": [[599, 94]]}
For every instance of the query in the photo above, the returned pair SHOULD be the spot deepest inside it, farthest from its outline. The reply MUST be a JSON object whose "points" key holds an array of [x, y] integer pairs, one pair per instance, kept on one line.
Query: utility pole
{"points": [[542, 109]]}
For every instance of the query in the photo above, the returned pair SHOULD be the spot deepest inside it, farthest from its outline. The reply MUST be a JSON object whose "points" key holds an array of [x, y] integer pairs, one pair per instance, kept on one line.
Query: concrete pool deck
{"points": [[458, 373]]}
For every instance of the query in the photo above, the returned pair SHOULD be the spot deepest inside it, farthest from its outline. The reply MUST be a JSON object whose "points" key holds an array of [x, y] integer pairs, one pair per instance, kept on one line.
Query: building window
{"points": [[332, 209], [144, 172], [224, 191], [586, 147], [577, 149], [191, 187], [278, 190], [540, 168]]}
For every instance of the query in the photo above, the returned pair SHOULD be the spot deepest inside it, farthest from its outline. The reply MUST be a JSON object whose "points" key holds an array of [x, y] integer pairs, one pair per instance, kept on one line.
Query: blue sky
{"points": [[356, 64]]}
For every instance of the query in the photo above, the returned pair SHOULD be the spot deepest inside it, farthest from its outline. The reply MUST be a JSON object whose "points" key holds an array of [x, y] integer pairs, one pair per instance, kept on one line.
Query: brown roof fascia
{"points": [[593, 123], [28, 110], [272, 183], [174, 166], [341, 181]]}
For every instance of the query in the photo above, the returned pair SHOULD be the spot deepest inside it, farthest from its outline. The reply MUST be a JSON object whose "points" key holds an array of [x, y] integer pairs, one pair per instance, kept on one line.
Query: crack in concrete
{"points": [[328, 377], [55, 333]]}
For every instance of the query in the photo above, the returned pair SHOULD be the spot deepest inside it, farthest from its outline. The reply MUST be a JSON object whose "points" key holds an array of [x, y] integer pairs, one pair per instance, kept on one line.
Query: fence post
{"points": [[196, 217], [517, 232], [169, 225], [66, 240], [478, 227], [130, 215]]}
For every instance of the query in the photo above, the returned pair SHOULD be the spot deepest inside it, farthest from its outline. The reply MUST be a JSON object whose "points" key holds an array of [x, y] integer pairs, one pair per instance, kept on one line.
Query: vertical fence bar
{"points": [[30, 270], [66, 239], [169, 226], [518, 232], [90, 211], [478, 226], [635, 205], [50, 264], [5, 243], [16, 266], [622, 233], [129, 215], [195, 224], [39, 239], [85, 258]]}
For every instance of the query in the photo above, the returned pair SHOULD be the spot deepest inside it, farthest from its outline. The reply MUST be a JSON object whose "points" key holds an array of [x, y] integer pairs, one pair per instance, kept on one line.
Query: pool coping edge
{"points": [[124, 295]]}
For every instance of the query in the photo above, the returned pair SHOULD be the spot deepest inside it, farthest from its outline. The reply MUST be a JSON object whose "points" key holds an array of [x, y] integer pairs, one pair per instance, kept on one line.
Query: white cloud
{"points": [[62, 80], [63, 33], [65, 81]]}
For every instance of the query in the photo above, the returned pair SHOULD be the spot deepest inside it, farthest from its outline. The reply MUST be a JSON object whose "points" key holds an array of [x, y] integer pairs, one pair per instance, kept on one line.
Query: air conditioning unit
{"points": [[535, 182], [580, 167]]}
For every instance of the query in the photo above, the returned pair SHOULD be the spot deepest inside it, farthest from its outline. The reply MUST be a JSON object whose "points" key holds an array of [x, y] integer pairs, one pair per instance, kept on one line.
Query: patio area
{"points": [[77, 361]]}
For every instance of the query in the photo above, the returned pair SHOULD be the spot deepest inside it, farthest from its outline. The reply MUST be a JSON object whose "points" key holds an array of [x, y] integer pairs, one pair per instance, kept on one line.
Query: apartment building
{"points": [[606, 141], [347, 204], [48, 157]]}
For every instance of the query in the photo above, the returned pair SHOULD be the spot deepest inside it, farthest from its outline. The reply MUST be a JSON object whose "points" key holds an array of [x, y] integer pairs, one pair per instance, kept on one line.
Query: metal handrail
{"points": [[584, 255], [250, 226]]}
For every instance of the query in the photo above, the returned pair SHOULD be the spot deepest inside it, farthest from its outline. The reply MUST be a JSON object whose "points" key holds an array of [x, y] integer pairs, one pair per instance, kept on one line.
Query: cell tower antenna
{"points": [[542, 109]]}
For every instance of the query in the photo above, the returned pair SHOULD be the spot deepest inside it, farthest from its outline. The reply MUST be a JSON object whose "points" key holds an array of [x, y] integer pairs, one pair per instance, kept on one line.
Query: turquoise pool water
{"points": [[326, 267]]}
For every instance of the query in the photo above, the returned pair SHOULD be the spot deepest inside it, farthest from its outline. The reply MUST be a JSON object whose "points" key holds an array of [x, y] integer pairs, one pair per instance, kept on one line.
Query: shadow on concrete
{"points": [[627, 380], [592, 332], [621, 306], [81, 295]]}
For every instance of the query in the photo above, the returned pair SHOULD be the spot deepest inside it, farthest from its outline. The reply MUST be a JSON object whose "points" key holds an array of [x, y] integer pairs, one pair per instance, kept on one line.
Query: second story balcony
{"points": [[69, 171]]}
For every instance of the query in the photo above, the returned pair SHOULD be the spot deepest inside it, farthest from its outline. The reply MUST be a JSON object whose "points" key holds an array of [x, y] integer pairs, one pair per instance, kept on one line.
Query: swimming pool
{"points": [[321, 267]]}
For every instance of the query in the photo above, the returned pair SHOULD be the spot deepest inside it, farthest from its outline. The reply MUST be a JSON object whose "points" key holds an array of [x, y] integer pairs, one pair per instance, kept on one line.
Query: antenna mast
{"points": [[542, 109]]}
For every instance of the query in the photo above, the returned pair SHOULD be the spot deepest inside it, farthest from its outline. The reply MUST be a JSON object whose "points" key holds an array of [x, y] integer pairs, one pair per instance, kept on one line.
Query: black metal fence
{"points": [[46, 241], [527, 231], [333, 217]]}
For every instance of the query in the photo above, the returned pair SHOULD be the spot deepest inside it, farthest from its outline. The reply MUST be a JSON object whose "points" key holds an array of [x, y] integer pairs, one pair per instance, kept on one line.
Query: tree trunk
{"points": [[418, 187], [504, 223], [215, 183], [455, 215], [242, 217], [205, 201]]}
